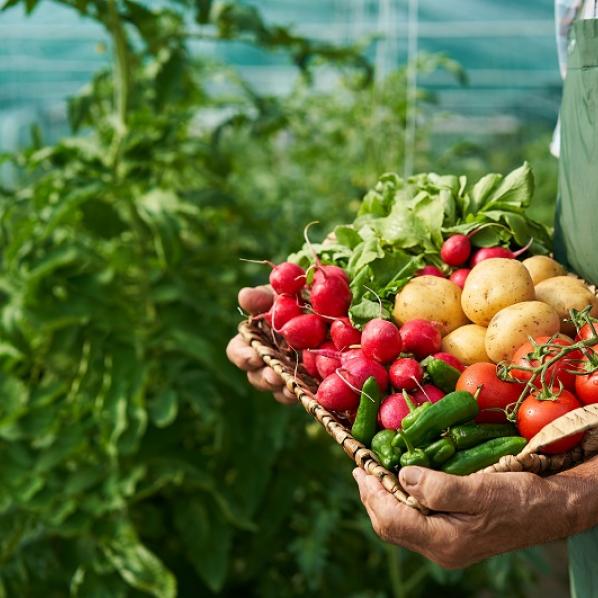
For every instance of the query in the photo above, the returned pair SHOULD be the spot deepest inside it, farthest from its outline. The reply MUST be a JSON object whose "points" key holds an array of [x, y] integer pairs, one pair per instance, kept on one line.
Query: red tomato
{"points": [[534, 413], [586, 332], [494, 394], [586, 388], [555, 373]]}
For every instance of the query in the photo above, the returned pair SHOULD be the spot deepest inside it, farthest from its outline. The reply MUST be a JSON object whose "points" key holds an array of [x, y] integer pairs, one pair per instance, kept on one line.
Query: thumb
{"points": [[441, 491], [256, 300]]}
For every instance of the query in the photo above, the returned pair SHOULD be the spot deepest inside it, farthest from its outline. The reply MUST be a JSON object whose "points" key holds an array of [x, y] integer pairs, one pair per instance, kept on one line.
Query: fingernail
{"points": [[410, 476]]}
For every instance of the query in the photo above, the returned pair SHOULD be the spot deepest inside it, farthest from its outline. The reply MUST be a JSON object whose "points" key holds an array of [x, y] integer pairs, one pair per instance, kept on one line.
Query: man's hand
{"points": [[256, 301], [481, 515]]}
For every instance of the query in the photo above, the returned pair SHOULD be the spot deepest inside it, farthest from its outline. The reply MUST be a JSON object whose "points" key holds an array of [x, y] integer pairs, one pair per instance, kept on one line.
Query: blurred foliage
{"points": [[135, 459]]}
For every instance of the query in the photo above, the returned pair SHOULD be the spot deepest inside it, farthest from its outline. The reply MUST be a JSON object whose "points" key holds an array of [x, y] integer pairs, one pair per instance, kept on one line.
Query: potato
{"points": [[512, 326], [493, 285], [542, 267], [565, 293], [467, 344], [430, 298]]}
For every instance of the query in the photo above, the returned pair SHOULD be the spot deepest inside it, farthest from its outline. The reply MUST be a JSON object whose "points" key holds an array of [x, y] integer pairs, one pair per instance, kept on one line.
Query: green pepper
{"points": [[440, 451], [483, 455], [365, 424], [454, 408], [442, 374], [413, 456], [468, 435], [388, 455], [414, 412]]}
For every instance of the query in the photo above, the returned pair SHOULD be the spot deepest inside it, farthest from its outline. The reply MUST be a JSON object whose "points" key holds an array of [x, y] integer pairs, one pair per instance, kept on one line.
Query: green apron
{"points": [[576, 226]]}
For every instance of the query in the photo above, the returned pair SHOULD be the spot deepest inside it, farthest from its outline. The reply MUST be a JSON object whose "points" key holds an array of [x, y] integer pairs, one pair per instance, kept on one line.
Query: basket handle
{"points": [[573, 422]]}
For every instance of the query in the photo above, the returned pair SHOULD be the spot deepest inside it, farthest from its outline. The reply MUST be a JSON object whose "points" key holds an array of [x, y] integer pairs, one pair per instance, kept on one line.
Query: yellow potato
{"points": [[493, 285], [513, 325], [430, 298], [565, 293], [467, 344], [542, 267]]}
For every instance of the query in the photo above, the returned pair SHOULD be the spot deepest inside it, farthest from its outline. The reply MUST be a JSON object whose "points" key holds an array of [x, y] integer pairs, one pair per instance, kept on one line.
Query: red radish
{"points": [[405, 373], [284, 308], [460, 276], [306, 331], [308, 359], [430, 271], [420, 337], [331, 296], [359, 369], [334, 394], [450, 359], [455, 250], [351, 354], [327, 365], [490, 252], [392, 411], [324, 272], [343, 334], [428, 392], [287, 278], [380, 340], [344, 356]]}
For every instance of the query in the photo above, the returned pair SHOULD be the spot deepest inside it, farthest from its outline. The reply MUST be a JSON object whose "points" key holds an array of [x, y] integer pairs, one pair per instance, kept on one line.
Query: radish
{"points": [[334, 394], [428, 392], [456, 250], [324, 272], [460, 276], [343, 334], [306, 331], [430, 271], [308, 359], [420, 337], [331, 296], [284, 308], [359, 369], [487, 253], [327, 365], [351, 354], [344, 356], [450, 359], [287, 278], [380, 340], [392, 411], [405, 373]]}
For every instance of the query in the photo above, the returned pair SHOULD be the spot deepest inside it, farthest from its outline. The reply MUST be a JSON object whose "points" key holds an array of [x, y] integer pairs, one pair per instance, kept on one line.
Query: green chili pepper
{"points": [[443, 375], [483, 455], [365, 424], [413, 456], [454, 408], [388, 455], [440, 451], [468, 435], [414, 412]]}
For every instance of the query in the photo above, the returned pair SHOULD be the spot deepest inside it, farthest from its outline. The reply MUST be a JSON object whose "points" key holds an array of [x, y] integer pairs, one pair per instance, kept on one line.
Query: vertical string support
{"points": [[411, 92]]}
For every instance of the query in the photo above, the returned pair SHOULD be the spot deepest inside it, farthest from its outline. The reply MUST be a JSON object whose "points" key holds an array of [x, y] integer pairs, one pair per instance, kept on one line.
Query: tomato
{"points": [[494, 394], [586, 332], [555, 373], [534, 413], [586, 388]]}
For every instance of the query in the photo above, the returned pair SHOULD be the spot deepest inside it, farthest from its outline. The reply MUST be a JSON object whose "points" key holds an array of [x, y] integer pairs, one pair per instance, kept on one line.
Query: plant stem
{"points": [[394, 569], [121, 80]]}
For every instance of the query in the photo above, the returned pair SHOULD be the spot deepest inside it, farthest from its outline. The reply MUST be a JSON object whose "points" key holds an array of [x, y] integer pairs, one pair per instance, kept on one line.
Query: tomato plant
{"points": [[539, 409], [494, 395]]}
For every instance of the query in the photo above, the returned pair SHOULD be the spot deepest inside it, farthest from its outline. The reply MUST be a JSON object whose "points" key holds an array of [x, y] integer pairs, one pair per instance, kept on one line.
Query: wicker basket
{"points": [[283, 361]]}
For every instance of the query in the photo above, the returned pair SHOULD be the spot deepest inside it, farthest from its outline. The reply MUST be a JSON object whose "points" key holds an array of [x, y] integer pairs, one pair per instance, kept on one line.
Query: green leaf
{"points": [[163, 408], [348, 236]]}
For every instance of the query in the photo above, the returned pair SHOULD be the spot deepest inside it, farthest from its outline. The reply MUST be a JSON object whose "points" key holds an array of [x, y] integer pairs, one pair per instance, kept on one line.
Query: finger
{"points": [[265, 379], [440, 491], [285, 396], [392, 520], [242, 355], [256, 300]]}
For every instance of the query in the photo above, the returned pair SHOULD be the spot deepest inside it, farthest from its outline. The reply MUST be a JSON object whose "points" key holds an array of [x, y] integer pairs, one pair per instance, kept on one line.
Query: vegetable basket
{"points": [[281, 359]]}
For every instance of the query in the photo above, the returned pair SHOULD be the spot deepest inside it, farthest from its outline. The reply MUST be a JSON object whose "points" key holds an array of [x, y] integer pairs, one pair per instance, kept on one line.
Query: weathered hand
{"points": [[255, 301], [481, 515]]}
